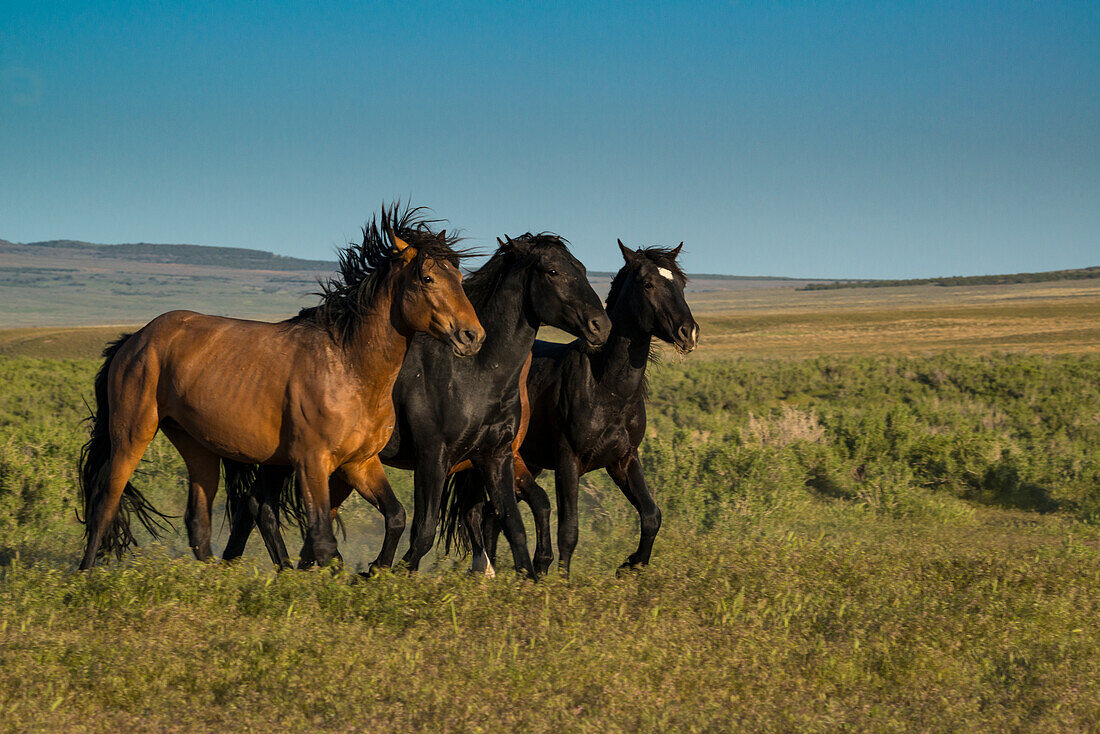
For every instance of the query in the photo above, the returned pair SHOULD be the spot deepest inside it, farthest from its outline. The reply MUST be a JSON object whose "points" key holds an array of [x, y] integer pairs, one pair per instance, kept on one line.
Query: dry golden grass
{"points": [[1051, 318], [1059, 317]]}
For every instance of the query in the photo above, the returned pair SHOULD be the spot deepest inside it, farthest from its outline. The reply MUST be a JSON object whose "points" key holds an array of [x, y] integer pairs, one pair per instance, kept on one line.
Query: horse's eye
{"points": [[426, 279], [648, 286], [553, 273]]}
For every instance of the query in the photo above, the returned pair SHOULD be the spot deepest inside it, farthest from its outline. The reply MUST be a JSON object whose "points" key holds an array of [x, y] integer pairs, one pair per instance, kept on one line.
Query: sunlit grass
{"points": [[882, 541]]}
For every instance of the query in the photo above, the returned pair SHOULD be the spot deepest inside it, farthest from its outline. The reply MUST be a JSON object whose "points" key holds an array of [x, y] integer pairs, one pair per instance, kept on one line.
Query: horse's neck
{"points": [[509, 335], [377, 349], [620, 365]]}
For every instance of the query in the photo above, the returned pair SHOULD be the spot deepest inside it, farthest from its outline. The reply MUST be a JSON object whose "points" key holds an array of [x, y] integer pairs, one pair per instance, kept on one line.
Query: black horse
{"points": [[588, 409], [458, 413]]}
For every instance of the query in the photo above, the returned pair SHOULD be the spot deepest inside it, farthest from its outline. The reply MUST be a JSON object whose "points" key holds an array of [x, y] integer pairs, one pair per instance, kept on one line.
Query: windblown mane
{"points": [[481, 284], [662, 257], [346, 296]]}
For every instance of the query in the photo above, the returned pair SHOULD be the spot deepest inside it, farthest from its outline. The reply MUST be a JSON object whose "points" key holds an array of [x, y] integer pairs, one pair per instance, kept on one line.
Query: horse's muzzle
{"points": [[597, 329], [687, 337], [466, 342]]}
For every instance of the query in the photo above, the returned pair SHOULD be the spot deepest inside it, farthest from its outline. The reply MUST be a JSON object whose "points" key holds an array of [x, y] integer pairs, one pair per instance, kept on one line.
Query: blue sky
{"points": [[845, 139]]}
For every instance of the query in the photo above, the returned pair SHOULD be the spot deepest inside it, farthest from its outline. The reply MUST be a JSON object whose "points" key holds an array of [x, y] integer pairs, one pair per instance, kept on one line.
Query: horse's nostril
{"points": [[467, 336], [595, 326]]}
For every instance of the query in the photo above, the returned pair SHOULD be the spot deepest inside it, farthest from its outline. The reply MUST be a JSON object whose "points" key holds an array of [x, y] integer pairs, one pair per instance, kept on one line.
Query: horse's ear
{"points": [[403, 248], [628, 254], [676, 250], [500, 242], [443, 235]]}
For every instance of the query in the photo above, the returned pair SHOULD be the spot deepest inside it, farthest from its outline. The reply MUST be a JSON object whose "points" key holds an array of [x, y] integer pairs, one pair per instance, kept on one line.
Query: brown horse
{"points": [[313, 393]]}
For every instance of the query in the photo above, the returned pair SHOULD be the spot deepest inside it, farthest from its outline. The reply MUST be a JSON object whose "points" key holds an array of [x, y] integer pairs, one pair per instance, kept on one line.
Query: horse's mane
{"points": [[662, 257], [362, 268], [481, 284]]}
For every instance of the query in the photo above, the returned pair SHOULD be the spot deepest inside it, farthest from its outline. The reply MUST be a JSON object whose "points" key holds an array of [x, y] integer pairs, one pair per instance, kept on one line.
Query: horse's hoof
{"points": [[375, 568]]}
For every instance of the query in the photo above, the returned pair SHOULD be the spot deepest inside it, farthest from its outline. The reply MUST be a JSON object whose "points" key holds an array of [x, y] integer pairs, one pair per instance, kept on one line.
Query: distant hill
{"points": [[73, 283], [242, 258], [770, 279], [1049, 275], [224, 257]]}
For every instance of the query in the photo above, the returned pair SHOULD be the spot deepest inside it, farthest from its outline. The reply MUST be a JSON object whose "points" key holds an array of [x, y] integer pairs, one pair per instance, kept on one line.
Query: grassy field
{"points": [[769, 322], [882, 513]]}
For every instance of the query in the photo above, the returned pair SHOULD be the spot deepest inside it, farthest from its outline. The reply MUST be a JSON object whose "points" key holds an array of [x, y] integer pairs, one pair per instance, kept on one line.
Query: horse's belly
{"points": [[238, 439], [236, 418]]}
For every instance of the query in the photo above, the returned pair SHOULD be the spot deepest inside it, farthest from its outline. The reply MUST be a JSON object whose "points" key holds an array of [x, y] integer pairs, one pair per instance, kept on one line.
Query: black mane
{"points": [[363, 267], [481, 284], [662, 257]]}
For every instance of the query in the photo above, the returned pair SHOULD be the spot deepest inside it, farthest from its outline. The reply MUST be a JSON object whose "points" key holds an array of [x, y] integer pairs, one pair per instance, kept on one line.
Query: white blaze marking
{"points": [[665, 273]]}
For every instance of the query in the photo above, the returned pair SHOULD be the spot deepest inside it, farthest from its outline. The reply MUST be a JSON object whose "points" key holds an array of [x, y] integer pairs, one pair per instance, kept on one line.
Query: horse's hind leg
{"points": [[124, 460], [478, 517], [203, 467], [131, 430], [627, 473], [536, 498], [245, 515], [272, 481], [259, 509]]}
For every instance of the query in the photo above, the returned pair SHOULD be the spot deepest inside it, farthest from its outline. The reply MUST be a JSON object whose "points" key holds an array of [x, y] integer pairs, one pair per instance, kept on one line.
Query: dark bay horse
{"points": [[588, 408], [454, 414], [313, 393]]}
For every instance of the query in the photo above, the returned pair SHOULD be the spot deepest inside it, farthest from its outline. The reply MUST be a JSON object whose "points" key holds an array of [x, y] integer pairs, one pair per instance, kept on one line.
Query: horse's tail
{"points": [[95, 456], [461, 491], [240, 481], [243, 480]]}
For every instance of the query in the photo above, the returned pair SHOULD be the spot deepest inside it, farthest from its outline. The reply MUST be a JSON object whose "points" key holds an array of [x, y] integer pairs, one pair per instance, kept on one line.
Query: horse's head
{"points": [[429, 295], [558, 292], [650, 289]]}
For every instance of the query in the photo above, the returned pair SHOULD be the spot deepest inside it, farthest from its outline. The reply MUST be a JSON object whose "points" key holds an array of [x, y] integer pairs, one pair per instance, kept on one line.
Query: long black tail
{"points": [[95, 457], [461, 492], [243, 480]]}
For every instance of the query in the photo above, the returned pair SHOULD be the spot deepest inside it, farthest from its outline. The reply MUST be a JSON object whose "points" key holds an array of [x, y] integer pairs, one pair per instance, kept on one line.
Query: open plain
{"points": [[881, 512]]}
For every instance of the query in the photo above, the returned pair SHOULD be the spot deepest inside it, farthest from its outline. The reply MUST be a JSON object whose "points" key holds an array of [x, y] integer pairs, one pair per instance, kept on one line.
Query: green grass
{"points": [[884, 543], [854, 623]]}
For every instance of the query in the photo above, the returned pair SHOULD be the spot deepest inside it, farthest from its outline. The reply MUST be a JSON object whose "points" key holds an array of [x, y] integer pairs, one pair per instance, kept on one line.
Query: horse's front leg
{"points": [[566, 479], [627, 474], [320, 546], [499, 472], [430, 473], [536, 498], [369, 479]]}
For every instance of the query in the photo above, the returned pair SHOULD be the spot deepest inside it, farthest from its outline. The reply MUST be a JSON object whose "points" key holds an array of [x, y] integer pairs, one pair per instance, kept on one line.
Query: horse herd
{"points": [[400, 363]]}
